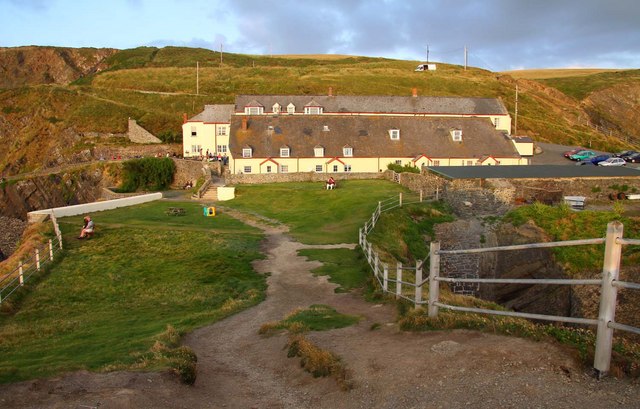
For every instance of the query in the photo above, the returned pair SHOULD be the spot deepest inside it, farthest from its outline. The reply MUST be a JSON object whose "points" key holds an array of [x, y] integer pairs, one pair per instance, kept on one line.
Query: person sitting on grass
{"points": [[331, 183], [87, 229]]}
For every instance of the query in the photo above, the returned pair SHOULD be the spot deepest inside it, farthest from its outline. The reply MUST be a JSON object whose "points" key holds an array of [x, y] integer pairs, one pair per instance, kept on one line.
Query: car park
{"points": [[597, 159], [582, 155], [613, 162], [623, 153]]}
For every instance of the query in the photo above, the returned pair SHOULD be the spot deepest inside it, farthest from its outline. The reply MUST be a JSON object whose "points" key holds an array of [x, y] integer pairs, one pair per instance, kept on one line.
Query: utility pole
{"points": [[465, 57], [515, 130], [427, 53], [221, 54], [197, 77]]}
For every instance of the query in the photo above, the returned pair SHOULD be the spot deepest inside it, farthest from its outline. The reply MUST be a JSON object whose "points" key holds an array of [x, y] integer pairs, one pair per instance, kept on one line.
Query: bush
{"points": [[405, 168], [147, 173]]}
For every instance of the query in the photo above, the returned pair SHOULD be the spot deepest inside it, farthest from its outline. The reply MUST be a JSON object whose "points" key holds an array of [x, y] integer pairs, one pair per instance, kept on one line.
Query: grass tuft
{"points": [[317, 361]]}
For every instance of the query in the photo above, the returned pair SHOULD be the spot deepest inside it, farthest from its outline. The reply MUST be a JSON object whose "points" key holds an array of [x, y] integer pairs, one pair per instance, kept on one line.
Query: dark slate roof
{"points": [[532, 172], [380, 104], [369, 136], [215, 113]]}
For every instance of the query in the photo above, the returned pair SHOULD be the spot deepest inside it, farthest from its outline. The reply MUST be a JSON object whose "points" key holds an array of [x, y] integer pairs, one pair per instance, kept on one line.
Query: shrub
{"points": [[406, 168], [147, 173]]}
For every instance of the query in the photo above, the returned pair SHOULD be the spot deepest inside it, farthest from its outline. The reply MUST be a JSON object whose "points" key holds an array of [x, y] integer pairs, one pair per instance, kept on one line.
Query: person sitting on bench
{"points": [[331, 184], [87, 229]]}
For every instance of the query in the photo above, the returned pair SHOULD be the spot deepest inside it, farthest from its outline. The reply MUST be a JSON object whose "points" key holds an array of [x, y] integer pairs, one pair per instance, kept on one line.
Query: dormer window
{"points": [[253, 110], [347, 151], [456, 135], [318, 151], [276, 108], [394, 134], [285, 151], [247, 152], [312, 108], [291, 109], [496, 122], [325, 128]]}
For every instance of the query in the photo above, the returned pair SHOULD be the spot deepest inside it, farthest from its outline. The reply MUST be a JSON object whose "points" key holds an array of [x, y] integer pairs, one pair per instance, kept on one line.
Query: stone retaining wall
{"points": [[234, 179], [138, 134], [191, 170], [417, 182]]}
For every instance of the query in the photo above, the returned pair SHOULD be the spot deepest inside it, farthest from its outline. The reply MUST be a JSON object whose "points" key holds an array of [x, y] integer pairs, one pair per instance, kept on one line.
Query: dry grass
{"points": [[317, 361], [33, 237], [315, 56], [545, 73]]}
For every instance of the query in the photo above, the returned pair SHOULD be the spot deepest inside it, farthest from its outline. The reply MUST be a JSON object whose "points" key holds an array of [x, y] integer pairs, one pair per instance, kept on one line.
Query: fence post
{"points": [[434, 273], [420, 195], [400, 199], [385, 278], [376, 261], [38, 259], [60, 240], [369, 259], [50, 250], [360, 236], [418, 295], [398, 280], [21, 273], [437, 193], [608, 295]]}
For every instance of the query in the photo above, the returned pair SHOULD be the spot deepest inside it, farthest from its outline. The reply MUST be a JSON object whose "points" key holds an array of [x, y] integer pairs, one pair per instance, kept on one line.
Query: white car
{"points": [[613, 162]]}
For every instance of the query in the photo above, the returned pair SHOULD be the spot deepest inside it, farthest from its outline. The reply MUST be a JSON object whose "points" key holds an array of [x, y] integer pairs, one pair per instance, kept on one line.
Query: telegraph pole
{"points": [[427, 53], [221, 54], [515, 131], [465, 57], [197, 77]]}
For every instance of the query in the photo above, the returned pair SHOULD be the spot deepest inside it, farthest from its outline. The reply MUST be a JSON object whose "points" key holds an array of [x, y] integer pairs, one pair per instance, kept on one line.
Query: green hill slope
{"points": [[155, 86]]}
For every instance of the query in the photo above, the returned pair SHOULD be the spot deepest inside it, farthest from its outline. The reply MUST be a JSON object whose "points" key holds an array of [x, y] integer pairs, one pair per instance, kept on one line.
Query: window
{"points": [[247, 169], [347, 151], [469, 163], [246, 152], [268, 168], [399, 162], [325, 128], [335, 168], [318, 168], [284, 168], [196, 149], [222, 149], [222, 131], [347, 168], [284, 152], [276, 108], [291, 109], [394, 134], [194, 131], [253, 110], [313, 110], [456, 135], [496, 122], [318, 152], [436, 163]]}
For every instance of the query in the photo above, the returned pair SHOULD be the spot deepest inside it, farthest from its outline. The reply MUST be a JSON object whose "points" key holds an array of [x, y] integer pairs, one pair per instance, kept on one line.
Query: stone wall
{"points": [[138, 134], [592, 188], [416, 182], [475, 202], [234, 179], [11, 230], [191, 170], [139, 151]]}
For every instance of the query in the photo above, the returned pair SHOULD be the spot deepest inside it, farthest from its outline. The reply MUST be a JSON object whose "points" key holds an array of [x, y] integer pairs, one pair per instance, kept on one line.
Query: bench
{"points": [[175, 211]]}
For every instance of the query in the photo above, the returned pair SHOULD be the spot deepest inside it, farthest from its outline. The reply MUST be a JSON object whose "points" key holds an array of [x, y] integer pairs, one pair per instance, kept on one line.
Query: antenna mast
{"points": [[515, 131]]}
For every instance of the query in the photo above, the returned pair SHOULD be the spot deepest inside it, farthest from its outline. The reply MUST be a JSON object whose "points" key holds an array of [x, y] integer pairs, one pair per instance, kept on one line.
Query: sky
{"points": [[499, 34]]}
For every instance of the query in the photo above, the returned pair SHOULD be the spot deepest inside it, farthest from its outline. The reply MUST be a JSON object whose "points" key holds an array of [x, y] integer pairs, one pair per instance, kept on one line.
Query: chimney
{"points": [[184, 117], [414, 91], [244, 123], [330, 91]]}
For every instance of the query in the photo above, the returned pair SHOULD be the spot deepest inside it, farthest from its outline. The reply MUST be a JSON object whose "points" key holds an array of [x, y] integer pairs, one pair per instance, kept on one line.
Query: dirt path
{"points": [[237, 368]]}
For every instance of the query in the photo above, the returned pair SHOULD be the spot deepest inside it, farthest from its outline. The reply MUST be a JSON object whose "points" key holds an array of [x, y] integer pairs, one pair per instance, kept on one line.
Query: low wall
{"points": [[226, 193], [416, 182], [191, 170], [93, 207], [236, 179], [592, 188]]}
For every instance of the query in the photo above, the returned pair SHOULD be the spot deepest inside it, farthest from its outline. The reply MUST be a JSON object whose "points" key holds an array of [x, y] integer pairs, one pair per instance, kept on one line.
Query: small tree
{"points": [[147, 173]]}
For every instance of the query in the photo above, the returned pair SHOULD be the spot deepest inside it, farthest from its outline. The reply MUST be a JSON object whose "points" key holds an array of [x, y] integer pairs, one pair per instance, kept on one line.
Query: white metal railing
{"points": [[609, 282], [26, 268]]}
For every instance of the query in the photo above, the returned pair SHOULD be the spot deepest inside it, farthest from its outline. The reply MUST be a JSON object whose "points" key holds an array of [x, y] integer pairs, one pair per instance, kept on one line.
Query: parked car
{"points": [[635, 158], [597, 159], [582, 155], [623, 154], [568, 154], [613, 162], [629, 153]]}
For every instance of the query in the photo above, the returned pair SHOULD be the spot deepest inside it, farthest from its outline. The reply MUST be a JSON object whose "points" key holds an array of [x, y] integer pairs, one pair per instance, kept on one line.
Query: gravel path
{"points": [[237, 368]]}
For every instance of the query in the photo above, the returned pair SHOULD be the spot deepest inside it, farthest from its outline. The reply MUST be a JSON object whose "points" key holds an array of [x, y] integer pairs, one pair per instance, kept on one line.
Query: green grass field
{"points": [[111, 296], [315, 215]]}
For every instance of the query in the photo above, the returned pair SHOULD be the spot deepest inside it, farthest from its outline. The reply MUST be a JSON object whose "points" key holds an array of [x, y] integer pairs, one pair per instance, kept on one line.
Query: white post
{"points": [[60, 240], [360, 236], [420, 195], [375, 264], [21, 273], [400, 199], [437, 193], [369, 257], [385, 278], [608, 295], [434, 272], [38, 259], [418, 300], [399, 280], [50, 250]]}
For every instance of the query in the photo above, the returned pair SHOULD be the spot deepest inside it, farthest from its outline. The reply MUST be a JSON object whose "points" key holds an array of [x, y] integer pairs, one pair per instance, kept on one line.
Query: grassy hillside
{"points": [[155, 86]]}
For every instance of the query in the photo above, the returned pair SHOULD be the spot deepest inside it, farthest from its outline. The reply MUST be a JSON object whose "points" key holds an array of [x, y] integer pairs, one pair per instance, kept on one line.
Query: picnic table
{"points": [[175, 211]]}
